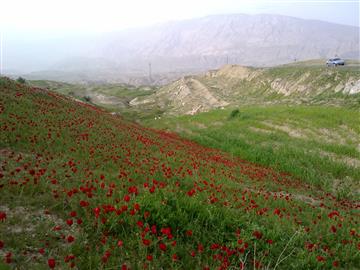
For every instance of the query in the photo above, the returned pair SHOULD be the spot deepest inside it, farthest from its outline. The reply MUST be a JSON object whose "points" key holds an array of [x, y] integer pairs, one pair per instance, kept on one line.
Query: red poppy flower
{"points": [[146, 214], [149, 258], [153, 229], [2, 216], [200, 248], [51, 263], [257, 234], [162, 246], [166, 231], [69, 222], [146, 242], [106, 256], [84, 203], [70, 239], [57, 228], [8, 258], [97, 212], [333, 213], [140, 224], [69, 258], [136, 206]]}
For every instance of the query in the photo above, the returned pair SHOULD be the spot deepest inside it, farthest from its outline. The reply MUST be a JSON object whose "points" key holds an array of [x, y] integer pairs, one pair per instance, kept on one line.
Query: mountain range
{"points": [[255, 40], [195, 45]]}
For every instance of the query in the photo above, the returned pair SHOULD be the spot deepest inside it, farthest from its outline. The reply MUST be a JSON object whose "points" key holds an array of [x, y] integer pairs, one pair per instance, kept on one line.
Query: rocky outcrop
{"points": [[352, 87], [185, 96]]}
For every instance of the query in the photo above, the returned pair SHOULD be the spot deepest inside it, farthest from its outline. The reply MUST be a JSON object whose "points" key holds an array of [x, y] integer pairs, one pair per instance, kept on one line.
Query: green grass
{"points": [[313, 143], [57, 154]]}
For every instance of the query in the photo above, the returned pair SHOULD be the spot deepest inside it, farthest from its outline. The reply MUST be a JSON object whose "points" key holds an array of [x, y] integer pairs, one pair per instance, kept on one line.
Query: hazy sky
{"points": [[51, 30], [111, 15]]}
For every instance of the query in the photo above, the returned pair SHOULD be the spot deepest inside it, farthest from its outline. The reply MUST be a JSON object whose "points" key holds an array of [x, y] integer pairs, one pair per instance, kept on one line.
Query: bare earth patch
{"points": [[260, 130], [352, 162], [292, 132], [25, 223]]}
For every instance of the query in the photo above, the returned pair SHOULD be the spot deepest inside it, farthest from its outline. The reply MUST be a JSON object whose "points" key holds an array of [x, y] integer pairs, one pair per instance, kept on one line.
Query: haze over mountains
{"points": [[189, 46], [249, 40]]}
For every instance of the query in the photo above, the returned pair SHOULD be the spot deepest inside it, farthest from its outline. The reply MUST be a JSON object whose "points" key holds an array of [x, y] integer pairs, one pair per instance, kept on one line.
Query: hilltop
{"points": [[80, 187]]}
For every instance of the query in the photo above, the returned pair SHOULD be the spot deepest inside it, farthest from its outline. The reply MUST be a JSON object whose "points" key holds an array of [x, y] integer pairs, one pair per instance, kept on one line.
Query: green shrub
{"points": [[234, 113], [87, 98], [21, 80]]}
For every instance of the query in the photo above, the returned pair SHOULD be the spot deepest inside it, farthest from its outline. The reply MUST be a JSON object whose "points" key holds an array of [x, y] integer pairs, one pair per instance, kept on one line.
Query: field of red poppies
{"points": [[83, 189]]}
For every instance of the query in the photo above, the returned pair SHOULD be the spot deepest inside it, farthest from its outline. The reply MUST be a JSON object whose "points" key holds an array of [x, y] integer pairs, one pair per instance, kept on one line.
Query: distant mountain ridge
{"points": [[196, 45], [256, 40]]}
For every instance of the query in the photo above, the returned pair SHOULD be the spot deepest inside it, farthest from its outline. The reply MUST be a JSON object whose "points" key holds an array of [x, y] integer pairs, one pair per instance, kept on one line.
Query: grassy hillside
{"points": [[300, 83], [114, 97], [318, 144], [307, 82], [81, 188]]}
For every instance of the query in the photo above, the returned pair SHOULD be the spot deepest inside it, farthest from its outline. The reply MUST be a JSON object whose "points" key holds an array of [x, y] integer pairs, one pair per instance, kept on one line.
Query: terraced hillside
{"points": [[83, 189]]}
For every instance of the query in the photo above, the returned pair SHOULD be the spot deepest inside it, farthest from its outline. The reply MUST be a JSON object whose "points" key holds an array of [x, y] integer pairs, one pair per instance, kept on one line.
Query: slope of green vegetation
{"points": [[298, 83], [288, 84], [234, 85], [83, 189], [114, 97], [318, 144]]}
